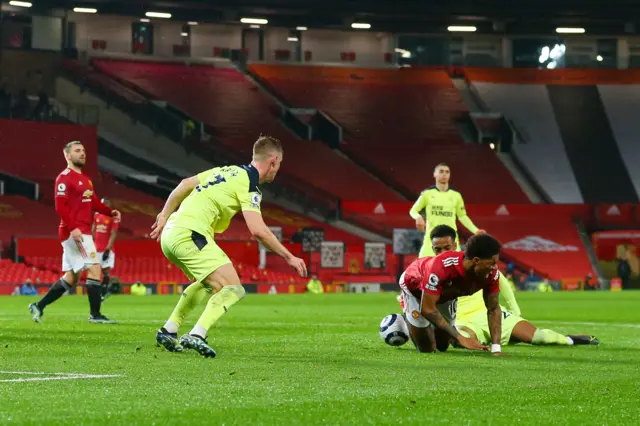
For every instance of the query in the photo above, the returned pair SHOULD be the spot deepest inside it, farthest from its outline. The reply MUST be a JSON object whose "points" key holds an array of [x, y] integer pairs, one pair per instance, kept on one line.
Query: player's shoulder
{"points": [[252, 176], [454, 192], [64, 174], [449, 259], [429, 189]]}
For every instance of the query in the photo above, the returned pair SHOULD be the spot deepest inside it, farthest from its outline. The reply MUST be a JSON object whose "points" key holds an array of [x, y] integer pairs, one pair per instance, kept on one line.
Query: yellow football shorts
{"points": [[197, 255], [480, 325]]}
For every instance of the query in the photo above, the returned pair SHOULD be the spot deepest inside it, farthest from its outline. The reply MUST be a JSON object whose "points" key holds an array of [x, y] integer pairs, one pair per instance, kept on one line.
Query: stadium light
{"points": [[145, 20], [569, 30], [292, 38], [184, 34], [158, 15], [192, 23], [301, 28], [361, 25], [85, 10], [20, 3], [461, 28], [599, 58], [403, 53], [258, 21]]}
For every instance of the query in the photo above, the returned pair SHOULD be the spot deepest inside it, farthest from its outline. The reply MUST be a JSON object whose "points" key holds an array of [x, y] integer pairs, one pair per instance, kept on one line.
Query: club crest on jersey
{"points": [[415, 314], [432, 283], [93, 255]]}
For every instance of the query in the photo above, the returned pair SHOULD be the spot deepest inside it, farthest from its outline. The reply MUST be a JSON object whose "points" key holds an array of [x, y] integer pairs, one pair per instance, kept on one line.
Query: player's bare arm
{"points": [[431, 313], [176, 198], [494, 318], [262, 233]]}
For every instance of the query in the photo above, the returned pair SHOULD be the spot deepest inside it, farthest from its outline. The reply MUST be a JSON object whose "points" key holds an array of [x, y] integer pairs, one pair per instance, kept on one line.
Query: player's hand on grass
{"points": [[299, 265], [158, 226], [116, 215], [421, 225], [471, 344], [76, 235]]}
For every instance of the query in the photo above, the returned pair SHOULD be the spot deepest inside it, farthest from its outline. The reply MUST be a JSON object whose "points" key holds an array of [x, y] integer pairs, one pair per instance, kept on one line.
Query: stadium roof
{"points": [[512, 16]]}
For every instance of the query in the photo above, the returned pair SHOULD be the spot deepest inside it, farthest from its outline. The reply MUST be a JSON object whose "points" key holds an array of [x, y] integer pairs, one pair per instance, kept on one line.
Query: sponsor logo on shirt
{"points": [[86, 196], [533, 243]]}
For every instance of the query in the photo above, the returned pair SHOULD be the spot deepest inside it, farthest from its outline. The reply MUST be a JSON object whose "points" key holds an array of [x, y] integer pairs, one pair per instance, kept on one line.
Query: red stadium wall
{"points": [[33, 150]]}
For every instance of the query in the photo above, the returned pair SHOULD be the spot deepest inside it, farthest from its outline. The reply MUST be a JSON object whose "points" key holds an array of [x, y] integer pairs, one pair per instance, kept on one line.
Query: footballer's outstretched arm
{"points": [[262, 233], [494, 318], [430, 312], [176, 198]]}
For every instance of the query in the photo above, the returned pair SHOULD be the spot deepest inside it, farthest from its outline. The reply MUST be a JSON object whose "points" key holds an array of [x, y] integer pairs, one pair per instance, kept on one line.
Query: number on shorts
{"points": [[218, 179]]}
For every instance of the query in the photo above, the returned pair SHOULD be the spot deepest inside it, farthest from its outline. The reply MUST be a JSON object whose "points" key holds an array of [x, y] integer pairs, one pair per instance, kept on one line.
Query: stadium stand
{"points": [[621, 105], [205, 93], [528, 106], [378, 108], [590, 144]]}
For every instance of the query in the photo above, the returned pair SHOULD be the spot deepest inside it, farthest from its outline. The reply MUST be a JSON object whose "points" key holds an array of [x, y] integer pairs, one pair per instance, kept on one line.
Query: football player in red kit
{"points": [[430, 288], [105, 231], [75, 201]]}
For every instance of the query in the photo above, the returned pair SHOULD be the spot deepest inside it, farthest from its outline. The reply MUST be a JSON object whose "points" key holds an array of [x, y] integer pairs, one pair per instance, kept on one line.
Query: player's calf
{"points": [[55, 292]]}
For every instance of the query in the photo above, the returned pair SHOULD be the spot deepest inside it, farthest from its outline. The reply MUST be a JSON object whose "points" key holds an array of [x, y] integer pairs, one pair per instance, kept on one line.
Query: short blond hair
{"points": [[68, 146], [264, 146]]}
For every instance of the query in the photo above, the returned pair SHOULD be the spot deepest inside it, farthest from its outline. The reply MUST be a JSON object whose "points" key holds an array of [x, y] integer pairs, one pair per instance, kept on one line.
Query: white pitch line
{"points": [[596, 324], [71, 377]]}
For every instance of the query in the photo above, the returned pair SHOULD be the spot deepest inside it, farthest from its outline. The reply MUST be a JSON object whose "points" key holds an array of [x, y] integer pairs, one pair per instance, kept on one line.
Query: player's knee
{"points": [[94, 272], [70, 278], [238, 290]]}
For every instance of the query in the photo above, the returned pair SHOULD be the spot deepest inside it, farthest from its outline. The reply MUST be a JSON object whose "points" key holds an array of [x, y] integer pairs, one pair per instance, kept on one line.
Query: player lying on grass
{"points": [[431, 285], [205, 205], [471, 318]]}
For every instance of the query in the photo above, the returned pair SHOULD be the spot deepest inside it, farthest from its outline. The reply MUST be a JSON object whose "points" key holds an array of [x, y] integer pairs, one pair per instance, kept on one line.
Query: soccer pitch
{"points": [[301, 359]]}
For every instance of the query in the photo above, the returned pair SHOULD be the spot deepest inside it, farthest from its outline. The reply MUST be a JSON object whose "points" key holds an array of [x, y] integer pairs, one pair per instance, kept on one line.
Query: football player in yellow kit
{"points": [[471, 316], [197, 209], [443, 206]]}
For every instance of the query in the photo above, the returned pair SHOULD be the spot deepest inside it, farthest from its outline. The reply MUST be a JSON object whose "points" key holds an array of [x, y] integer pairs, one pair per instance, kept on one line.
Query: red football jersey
{"points": [[104, 226], [75, 203], [444, 275]]}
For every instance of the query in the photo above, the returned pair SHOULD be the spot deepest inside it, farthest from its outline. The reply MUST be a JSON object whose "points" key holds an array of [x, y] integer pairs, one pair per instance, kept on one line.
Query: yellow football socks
{"points": [[191, 297], [549, 337], [218, 304]]}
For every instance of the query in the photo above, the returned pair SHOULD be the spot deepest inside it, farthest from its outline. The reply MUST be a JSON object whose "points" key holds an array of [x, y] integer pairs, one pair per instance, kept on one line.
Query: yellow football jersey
{"points": [[222, 192], [442, 208]]}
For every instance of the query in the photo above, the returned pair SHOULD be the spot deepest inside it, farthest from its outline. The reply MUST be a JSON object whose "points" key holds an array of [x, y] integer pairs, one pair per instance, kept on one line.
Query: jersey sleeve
{"points": [[115, 225], [418, 206], [494, 283], [461, 214], [249, 195], [98, 206], [62, 200], [203, 177], [434, 277]]}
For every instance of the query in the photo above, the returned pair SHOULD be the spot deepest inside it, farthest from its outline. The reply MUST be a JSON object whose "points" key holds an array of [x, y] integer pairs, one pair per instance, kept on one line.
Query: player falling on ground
{"points": [[207, 202], [471, 320], [431, 285], [442, 205], [75, 201], [105, 231]]}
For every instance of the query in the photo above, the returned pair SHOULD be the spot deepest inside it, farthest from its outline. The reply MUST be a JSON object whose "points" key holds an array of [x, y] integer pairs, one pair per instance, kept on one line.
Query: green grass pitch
{"points": [[301, 359]]}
